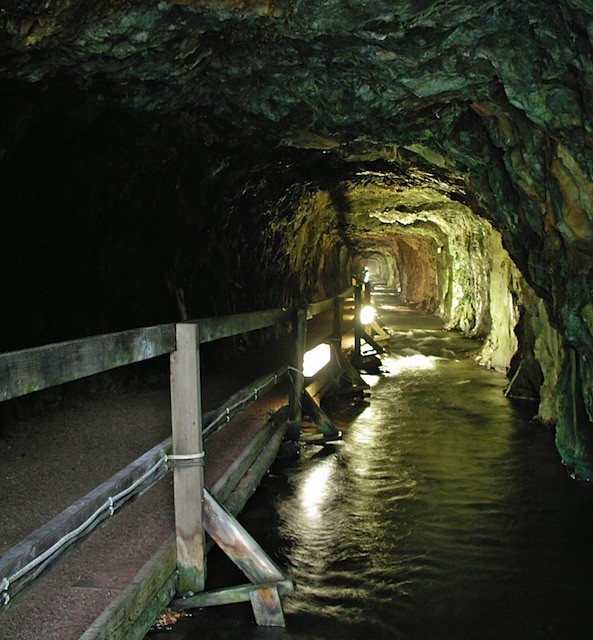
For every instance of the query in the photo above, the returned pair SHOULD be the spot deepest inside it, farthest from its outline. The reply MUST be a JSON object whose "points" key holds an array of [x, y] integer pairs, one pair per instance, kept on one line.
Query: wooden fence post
{"points": [[337, 332], [358, 329], [299, 331], [368, 289], [338, 318], [188, 458]]}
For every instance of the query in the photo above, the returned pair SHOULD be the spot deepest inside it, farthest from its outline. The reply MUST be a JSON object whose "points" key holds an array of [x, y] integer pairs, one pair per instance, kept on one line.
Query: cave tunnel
{"points": [[180, 159]]}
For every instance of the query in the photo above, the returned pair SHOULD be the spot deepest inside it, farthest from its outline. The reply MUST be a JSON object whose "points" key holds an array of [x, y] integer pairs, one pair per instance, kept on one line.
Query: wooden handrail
{"points": [[219, 327], [29, 370], [90, 510], [23, 372]]}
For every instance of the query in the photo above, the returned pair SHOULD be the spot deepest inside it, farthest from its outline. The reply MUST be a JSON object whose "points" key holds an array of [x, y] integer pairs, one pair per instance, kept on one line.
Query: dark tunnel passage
{"points": [[173, 160]]}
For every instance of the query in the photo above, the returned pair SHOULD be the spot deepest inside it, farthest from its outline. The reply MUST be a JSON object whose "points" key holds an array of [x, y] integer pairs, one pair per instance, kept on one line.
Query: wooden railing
{"points": [[30, 370]]}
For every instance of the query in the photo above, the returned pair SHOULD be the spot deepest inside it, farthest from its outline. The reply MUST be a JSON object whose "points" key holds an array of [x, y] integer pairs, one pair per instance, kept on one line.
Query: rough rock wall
{"points": [[497, 94]]}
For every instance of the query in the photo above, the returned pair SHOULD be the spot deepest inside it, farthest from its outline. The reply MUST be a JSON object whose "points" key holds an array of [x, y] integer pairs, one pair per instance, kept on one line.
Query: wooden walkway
{"points": [[65, 601], [98, 580]]}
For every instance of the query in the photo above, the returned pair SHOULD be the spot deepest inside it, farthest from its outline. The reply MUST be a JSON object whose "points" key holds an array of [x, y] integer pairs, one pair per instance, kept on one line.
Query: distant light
{"points": [[315, 359], [367, 315], [366, 275]]}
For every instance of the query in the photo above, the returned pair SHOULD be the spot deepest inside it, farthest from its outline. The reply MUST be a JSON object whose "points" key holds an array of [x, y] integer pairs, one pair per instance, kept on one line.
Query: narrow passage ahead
{"points": [[444, 513]]}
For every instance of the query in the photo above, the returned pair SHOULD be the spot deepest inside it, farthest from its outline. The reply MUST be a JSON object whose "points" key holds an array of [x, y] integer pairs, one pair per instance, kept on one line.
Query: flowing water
{"points": [[444, 513]]}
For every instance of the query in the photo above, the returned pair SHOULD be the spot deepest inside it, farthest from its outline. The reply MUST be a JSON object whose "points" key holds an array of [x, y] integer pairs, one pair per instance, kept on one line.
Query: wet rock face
{"points": [[281, 138]]}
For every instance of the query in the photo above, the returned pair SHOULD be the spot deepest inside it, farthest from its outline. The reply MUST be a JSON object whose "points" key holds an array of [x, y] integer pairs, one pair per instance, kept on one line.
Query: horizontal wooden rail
{"points": [[315, 308], [29, 370], [220, 327], [217, 418], [85, 515]]}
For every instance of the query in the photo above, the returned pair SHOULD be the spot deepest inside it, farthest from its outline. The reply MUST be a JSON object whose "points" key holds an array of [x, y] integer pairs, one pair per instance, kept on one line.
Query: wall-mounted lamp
{"points": [[315, 359]]}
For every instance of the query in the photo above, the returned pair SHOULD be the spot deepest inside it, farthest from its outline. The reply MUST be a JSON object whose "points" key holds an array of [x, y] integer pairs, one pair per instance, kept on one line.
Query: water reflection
{"points": [[415, 362], [315, 488], [443, 514]]}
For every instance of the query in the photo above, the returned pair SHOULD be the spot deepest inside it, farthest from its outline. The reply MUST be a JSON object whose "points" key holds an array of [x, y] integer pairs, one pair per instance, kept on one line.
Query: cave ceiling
{"points": [[361, 79], [485, 104]]}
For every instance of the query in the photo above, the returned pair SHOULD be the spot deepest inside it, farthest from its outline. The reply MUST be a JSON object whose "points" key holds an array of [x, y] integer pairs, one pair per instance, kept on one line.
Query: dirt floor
{"points": [[56, 447]]}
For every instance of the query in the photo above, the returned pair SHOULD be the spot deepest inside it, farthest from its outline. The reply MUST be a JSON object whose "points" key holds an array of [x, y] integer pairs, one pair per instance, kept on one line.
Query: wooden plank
{"points": [[267, 607], [74, 517], [295, 372], [156, 580], [338, 320], [358, 329], [323, 381], [315, 308], [322, 422], [153, 609], [218, 418], [248, 484], [237, 543], [347, 293], [188, 479], [225, 326], [371, 342], [224, 486], [29, 370], [229, 595]]}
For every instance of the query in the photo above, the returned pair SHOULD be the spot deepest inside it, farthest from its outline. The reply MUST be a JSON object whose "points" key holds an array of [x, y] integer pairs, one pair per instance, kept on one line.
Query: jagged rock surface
{"points": [[156, 157]]}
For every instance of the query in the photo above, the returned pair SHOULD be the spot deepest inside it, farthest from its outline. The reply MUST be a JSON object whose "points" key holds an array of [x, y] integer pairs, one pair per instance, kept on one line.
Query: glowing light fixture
{"points": [[316, 359], [367, 315]]}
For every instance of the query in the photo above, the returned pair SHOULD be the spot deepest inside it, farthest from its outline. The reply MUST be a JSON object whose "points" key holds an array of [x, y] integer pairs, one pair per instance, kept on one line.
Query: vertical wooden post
{"points": [[188, 457], [299, 332], [337, 331], [368, 288], [338, 318], [357, 321]]}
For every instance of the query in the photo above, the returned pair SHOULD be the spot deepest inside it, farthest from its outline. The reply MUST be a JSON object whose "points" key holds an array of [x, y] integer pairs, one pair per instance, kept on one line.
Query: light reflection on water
{"points": [[443, 514]]}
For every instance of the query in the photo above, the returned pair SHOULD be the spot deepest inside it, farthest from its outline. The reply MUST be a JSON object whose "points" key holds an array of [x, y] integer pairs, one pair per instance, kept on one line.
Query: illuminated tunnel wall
{"points": [[163, 160]]}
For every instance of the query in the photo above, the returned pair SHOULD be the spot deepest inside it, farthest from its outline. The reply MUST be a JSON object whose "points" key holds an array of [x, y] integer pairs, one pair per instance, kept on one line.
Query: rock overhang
{"points": [[486, 105]]}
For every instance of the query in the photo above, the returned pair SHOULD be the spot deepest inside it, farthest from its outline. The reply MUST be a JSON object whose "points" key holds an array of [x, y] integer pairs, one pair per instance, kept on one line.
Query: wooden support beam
{"points": [[229, 595], [381, 334], [244, 551], [322, 422], [371, 342], [338, 319], [237, 543], [299, 331], [150, 590], [267, 607], [225, 326], [358, 329], [29, 370], [188, 471], [352, 373], [368, 288]]}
